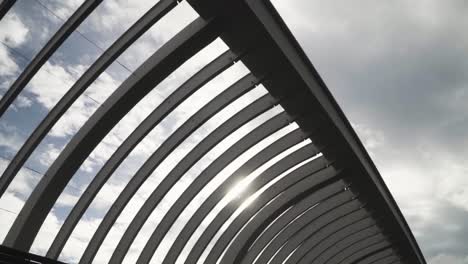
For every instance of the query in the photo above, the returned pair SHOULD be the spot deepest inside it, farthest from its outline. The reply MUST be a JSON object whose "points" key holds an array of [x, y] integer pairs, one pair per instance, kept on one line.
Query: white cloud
{"points": [[14, 33], [12, 30], [63, 9], [448, 259], [10, 137], [50, 83]]}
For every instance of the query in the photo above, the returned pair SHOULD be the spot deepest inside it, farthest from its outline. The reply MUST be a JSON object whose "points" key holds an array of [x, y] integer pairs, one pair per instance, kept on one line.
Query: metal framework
{"points": [[324, 202]]}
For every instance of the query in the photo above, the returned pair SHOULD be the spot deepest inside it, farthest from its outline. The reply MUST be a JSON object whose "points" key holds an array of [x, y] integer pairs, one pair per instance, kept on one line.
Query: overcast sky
{"points": [[397, 68]]}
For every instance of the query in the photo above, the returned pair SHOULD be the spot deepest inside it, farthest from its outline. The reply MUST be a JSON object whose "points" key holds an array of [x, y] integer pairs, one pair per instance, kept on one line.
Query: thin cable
{"points": [[84, 36], [6, 210], [52, 73]]}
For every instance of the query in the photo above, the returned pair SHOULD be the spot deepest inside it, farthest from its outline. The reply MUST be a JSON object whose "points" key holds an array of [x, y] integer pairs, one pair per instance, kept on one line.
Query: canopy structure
{"points": [[322, 202]]}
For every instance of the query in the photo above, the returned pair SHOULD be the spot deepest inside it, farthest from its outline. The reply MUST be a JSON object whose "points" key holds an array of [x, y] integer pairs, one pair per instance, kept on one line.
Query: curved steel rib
{"points": [[218, 194], [242, 117], [312, 240], [360, 249], [163, 62], [109, 56], [272, 202], [365, 226], [170, 103], [241, 87], [280, 224], [52, 45], [249, 140]]}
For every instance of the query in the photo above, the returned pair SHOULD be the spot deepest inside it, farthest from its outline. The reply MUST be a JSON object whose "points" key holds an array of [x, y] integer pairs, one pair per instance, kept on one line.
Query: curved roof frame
{"points": [[324, 201]]}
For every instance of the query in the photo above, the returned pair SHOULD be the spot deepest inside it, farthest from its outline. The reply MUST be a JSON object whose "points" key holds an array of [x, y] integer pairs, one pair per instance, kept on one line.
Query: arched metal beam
{"points": [[344, 244], [195, 154], [366, 227], [359, 249], [271, 232], [366, 251], [228, 96], [5, 6], [315, 239], [384, 260], [288, 190], [218, 194], [301, 230], [382, 255], [256, 184], [169, 57], [251, 139], [46, 52], [90, 75], [325, 209], [171, 102], [284, 164], [299, 225]]}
